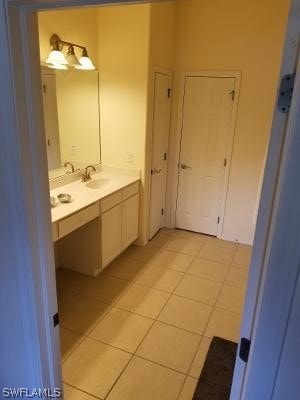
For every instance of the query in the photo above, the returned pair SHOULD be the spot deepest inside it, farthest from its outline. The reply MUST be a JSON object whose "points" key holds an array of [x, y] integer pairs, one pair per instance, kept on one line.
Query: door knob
{"points": [[184, 166]]}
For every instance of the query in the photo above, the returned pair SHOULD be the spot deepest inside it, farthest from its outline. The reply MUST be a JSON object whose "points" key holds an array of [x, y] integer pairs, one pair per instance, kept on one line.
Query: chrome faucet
{"points": [[87, 175], [68, 163]]}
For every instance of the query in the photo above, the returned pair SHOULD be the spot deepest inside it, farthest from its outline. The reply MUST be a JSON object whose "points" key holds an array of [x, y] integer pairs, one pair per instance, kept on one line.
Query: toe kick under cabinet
{"points": [[90, 239]]}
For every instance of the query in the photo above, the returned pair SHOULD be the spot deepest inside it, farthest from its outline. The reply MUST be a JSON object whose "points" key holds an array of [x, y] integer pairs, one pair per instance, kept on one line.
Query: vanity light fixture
{"points": [[71, 57], [58, 60]]}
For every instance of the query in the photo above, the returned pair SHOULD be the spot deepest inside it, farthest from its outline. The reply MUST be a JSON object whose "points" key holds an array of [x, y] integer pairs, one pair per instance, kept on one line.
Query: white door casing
{"points": [[253, 376], [274, 319], [160, 134], [206, 121], [111, 234], [29, 288]]}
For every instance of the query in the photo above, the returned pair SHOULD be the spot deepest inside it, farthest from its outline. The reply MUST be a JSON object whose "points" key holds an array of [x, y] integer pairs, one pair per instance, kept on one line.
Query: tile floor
{"points": [[142, 328]]}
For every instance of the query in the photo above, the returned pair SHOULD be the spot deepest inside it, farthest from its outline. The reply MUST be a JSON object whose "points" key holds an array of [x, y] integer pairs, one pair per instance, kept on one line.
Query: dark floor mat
{"points": [[216, 376]]}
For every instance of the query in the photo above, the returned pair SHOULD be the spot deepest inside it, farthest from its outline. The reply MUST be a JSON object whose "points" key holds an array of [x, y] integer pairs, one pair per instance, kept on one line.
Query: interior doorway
{"points": [[160, 134], [39, 211], [206, 140]]}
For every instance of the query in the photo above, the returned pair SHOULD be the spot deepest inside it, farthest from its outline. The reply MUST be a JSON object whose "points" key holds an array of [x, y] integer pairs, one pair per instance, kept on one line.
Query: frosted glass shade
{"points": [[85, 63], [57, 66], [56, 57]]}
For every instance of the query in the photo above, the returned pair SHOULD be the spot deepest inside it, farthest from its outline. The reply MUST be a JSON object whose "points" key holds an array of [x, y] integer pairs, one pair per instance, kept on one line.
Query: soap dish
{"points": [[64, 198], [53, 201]]}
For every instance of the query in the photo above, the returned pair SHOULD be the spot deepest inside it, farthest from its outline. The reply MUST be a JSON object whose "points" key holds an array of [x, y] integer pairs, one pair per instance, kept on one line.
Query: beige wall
{"points": [[233, 35], [123, 50], [162, 34], [131, 41], [161, 55]]}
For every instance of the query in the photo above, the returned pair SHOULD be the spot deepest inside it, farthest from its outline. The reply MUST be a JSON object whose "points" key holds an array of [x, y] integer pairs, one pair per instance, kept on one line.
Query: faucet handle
{"points": [[68, 163], [90, 166], [87, 175]]}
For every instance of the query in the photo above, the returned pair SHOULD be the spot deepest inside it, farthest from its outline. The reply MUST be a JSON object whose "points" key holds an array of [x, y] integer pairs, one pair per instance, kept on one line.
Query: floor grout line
{"points": [[182, 386], [215, 305], [65, 358], [158, 315], [213, 309], [134, 313], [131, 282], [121, 373], [83, 391], [135, 355], [157, 320]]}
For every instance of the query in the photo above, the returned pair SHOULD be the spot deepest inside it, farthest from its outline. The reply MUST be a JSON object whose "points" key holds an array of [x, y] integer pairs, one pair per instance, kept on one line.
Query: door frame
{"points": [[149, 147], [178, 134], [261, 289], [29, 288]]}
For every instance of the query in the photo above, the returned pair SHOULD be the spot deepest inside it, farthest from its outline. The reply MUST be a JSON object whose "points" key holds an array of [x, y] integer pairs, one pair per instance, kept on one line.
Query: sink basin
{"points": [[99, 183]]}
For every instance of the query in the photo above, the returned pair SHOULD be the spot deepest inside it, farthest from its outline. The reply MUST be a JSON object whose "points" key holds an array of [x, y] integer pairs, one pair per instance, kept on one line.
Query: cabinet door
{"points": [[130, 213], [111, 236]]}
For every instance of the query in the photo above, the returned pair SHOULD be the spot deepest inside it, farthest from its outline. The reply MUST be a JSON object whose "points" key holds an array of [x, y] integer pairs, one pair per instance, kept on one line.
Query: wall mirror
{"points": [[71, 112]]}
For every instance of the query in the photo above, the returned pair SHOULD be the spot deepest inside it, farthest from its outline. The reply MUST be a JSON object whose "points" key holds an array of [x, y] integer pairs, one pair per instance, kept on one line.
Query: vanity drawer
{"points": [[54, 231], [130, 190], [110, 201], [73, 222]]}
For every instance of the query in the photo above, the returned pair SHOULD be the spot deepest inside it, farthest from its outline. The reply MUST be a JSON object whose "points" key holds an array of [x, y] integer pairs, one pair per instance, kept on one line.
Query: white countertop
{"points": [[82, 196]]}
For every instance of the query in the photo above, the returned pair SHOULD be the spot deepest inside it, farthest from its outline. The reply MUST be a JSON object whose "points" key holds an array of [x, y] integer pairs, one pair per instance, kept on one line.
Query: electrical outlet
{"points": [[73, 150], [129, 157]]}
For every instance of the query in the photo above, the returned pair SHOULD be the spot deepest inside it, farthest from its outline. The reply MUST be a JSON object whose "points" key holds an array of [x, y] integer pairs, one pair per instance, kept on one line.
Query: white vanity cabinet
{"points": [[111, 234], [88, 240], [74, 221], [77, 220], [130, 219], [119, 223]]}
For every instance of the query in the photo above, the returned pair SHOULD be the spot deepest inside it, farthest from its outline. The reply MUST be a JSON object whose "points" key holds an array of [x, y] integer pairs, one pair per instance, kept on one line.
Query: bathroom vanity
{"points": [[101, 220], [99, 223]]}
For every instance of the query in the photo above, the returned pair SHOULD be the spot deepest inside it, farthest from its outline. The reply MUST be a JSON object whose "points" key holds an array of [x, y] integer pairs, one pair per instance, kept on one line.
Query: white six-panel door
{"points": [[160, 133], [207, 110]]}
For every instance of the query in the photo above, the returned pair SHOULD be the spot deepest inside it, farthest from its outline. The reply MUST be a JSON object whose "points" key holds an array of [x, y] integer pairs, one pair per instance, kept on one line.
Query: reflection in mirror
{"points": [[71, 112]]}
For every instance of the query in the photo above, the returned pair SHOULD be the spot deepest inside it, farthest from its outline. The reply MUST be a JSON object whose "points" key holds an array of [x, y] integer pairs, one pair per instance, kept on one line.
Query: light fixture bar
{"points": [[57, 45], [56, 41]]}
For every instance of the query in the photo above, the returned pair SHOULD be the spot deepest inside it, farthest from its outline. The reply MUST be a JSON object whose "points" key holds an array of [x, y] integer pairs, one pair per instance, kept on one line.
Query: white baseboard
{"points": [[237, 239]]}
